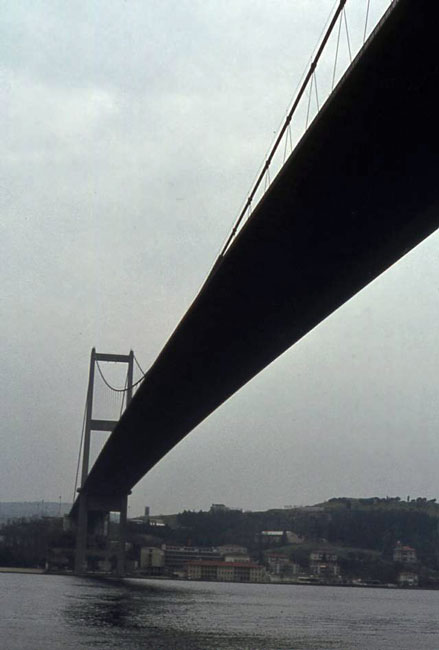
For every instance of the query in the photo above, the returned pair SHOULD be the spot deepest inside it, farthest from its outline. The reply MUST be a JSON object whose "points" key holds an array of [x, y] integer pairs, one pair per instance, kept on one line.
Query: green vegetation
{"points": [[361, 532], [27, 542], [375, 525]]}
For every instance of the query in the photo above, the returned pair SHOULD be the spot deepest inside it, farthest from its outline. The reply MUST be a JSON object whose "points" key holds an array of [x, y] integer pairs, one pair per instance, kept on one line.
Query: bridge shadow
{"points": [[144, 615], [129, 615]]}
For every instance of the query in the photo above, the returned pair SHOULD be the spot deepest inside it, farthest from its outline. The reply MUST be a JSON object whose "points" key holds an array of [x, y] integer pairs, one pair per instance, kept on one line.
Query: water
{"points": [[39, 612]]}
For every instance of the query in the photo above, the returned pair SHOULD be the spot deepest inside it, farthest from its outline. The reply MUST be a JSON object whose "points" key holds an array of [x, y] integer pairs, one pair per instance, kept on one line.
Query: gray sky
{"points": [[131, 134]]}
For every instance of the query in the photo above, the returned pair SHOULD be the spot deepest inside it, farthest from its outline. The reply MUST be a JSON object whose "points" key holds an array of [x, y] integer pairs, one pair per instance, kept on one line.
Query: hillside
{"points": [[372, 525], [26, 509]]}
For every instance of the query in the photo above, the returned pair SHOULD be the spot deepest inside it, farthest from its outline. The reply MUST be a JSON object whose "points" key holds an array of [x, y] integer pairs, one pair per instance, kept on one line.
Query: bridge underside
{"points": [[359, 191]]}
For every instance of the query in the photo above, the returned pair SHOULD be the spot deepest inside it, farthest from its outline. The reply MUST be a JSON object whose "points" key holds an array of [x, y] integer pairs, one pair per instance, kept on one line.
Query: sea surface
{"points": [[40, 612]]}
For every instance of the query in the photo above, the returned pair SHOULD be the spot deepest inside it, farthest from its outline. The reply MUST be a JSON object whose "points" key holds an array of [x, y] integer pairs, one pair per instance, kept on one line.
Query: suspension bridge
{"points": [[357, 192]]}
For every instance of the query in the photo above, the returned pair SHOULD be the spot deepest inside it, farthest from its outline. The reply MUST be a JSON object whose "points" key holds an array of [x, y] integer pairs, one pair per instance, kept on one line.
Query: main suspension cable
{"points": [[139, 366], [80, 448], [123, 395], [366, 21], [284, 128], [119, 390]]}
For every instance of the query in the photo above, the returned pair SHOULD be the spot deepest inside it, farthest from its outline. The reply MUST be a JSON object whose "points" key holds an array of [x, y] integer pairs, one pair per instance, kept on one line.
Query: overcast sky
{"points": [[132, 131]]}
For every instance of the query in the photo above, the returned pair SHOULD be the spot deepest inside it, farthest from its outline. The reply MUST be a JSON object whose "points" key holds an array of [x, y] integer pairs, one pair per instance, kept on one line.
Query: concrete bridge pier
{"points": [[92, 524], [120, 569]]}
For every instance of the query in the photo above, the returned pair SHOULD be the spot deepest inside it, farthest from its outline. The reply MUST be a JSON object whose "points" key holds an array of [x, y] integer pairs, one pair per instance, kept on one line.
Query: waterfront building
{"points": [[408, 579], [233, 553], [177, 556], [152, 560], [279, 564], [324, 564], [232, 549], [236, 558], [225, 571]]}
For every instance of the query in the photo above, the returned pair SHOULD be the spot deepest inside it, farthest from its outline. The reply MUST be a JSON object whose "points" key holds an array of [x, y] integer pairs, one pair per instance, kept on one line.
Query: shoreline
{"points": [[16, 569], [106, 576]]}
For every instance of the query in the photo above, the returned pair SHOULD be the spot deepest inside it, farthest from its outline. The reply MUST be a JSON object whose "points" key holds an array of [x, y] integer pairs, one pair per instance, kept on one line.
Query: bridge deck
{"points": [[359, 191]]}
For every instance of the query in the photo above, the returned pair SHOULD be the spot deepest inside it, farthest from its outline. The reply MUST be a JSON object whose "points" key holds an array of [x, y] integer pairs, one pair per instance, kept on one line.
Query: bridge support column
{"points": [[122, 536], [91, 526], [93, 509], [81, 536]]}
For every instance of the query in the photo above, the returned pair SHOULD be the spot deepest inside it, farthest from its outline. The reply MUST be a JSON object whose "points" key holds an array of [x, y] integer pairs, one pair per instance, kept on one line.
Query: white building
{"points": [[152, 560]]}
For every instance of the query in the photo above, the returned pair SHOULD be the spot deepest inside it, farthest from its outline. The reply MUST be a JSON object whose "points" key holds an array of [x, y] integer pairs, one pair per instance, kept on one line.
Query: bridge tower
{"points": [[93, 509]]}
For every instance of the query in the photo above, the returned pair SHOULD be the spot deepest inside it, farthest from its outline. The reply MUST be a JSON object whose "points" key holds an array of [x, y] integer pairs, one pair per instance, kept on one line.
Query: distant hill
{"points": [[19, 509]]}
